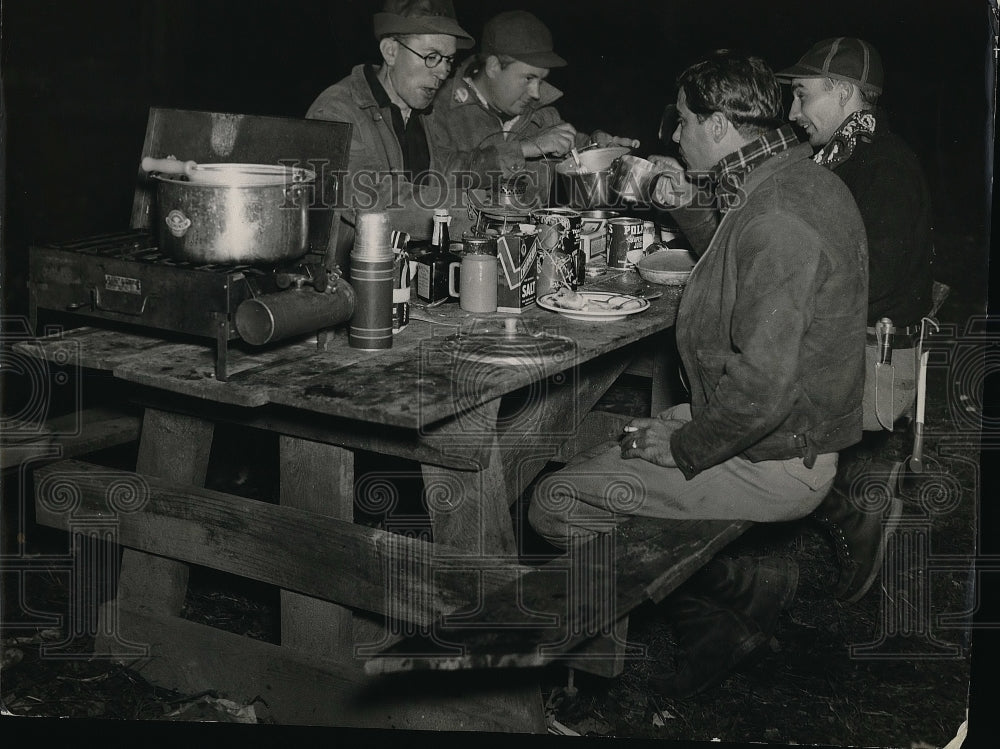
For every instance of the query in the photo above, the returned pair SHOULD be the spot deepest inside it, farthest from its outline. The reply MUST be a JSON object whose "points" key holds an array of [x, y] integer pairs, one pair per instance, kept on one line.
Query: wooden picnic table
{"points": [[480, 428]]}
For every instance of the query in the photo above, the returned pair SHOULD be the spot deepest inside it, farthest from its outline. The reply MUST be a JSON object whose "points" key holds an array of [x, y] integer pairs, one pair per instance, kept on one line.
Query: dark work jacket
{"points": [[888, 185], [771, 325]]}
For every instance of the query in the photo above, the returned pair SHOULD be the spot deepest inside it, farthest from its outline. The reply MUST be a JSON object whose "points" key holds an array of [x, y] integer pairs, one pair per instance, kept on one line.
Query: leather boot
{"points": [[859, 522], [713, 641], [724, 616]]}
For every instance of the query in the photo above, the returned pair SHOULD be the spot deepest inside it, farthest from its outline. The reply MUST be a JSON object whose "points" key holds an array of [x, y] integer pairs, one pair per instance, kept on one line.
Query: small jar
{"points": [[476, 287]]}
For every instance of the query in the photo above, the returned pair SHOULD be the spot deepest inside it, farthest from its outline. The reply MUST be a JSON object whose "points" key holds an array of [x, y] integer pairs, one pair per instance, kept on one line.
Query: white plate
{"points": [[599, 297]]}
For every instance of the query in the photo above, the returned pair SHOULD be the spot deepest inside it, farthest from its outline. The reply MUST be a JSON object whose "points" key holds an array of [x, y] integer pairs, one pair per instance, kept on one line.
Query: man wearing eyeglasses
{"points": [[500, 104], [394, 164]]}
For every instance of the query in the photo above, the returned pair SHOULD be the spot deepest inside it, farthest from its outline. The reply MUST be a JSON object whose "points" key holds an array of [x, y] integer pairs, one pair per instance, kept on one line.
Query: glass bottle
{"points": [[441, 237], [432, 267]]}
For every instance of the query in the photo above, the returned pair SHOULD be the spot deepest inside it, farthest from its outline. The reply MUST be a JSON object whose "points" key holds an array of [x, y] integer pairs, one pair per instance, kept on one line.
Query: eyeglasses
{"points": [[433, 59]]}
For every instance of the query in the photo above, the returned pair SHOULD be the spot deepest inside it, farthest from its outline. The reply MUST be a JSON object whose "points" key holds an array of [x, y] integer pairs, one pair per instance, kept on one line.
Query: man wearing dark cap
{"points": [[835, 87], [500, 102], [394, 164]]}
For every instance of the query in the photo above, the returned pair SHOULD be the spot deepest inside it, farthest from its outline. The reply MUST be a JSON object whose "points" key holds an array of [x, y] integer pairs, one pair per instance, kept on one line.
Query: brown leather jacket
{"points": [[771, 326]]}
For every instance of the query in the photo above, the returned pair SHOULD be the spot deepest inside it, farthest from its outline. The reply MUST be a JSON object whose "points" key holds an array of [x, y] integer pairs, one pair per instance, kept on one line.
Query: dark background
{"points": [[79, 78]]}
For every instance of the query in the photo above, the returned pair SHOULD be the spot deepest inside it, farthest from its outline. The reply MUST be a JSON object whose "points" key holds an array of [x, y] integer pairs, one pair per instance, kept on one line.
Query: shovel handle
{"points": [[168, 166]]}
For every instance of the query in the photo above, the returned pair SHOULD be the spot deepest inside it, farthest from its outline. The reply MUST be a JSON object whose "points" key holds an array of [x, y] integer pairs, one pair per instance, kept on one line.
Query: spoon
{"points": [[650, 297], [576, 157]]}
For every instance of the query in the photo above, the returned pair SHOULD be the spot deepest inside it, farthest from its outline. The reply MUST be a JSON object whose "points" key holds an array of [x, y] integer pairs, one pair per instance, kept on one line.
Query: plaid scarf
{"points": [[731, 172], [858, 127]]}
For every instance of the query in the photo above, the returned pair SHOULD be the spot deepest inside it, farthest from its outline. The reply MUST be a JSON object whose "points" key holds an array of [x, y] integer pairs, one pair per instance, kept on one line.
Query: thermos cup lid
{"points": [[373, 235]]}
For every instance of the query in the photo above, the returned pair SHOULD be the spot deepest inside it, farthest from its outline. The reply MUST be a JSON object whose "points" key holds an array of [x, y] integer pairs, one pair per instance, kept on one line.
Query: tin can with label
{"points": [[555, 270], [400, 290], [624, 242], [569, 223]]}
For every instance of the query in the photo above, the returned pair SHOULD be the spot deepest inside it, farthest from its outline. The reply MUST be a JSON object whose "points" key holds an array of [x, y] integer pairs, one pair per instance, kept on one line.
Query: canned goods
{"points": [[400, 290], [569, 223], [624, 242], [555, 270], [495, 223]]}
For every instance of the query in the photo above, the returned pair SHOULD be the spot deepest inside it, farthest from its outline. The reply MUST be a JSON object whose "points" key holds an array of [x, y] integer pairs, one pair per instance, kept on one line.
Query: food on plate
{"points": [[570, 300]]}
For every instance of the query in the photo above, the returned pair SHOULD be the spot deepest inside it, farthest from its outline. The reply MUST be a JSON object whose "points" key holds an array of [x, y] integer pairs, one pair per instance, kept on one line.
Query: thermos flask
{"points": [[372, 280]]}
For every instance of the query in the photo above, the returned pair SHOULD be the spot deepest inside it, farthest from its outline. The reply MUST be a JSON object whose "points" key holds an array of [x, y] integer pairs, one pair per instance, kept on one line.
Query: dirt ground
{"points": [[892, 670]]}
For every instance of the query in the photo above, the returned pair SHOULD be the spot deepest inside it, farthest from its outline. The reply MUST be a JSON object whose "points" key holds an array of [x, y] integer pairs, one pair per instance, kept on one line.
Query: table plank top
{"points": [[420, 380]]}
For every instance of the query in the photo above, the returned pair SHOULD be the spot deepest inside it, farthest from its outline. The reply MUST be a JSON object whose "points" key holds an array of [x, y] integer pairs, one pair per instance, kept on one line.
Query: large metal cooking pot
{"points": [[235, 214]]}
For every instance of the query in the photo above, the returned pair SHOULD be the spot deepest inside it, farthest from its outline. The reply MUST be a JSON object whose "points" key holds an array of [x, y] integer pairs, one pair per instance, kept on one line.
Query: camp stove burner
{"points": [[125, 278]]}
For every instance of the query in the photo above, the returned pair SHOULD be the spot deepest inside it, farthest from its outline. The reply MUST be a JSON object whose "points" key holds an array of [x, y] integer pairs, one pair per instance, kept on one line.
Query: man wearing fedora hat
{"points": [[394, 163], [835, 88], [500, 103]]}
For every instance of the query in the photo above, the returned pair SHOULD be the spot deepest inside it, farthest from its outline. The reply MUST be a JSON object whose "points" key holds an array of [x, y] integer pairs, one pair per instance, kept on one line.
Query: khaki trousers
{"points": [[599, 489]]}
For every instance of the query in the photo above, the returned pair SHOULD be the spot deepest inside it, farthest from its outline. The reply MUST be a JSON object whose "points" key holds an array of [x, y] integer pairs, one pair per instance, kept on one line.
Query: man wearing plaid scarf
{"points": [[835, 89], [770, 330]]}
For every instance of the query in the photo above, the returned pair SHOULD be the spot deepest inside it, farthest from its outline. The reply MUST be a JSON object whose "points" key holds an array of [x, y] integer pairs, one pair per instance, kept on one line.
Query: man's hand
{"points": [[602, 140], [673, 188], [557, 140], [649, 439]]}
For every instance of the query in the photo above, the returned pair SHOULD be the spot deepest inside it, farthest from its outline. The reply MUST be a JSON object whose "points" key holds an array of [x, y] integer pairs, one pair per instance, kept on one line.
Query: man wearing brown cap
{"points": [[500, 102], [835, 88], [394, 164]]}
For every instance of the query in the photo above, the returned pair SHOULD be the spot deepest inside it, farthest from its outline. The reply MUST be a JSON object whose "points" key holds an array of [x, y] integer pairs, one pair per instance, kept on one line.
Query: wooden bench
{"points": [[518, 615], [66, 436], [573, 610]]}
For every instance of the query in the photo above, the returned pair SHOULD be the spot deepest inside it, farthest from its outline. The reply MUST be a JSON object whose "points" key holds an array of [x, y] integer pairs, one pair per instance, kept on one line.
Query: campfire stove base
{"points": [[123, 278]]}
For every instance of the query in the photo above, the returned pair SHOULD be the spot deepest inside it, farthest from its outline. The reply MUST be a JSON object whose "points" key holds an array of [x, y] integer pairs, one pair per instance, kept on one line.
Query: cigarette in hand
{"points": [[631, 429]]}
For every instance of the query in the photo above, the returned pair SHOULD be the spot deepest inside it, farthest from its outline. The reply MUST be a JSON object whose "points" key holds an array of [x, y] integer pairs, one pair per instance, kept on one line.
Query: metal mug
{"points": [[632, 179]]}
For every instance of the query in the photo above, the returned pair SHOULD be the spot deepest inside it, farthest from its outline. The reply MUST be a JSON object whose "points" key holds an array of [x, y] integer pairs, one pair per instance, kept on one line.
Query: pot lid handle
{"points": [[168, 166]]}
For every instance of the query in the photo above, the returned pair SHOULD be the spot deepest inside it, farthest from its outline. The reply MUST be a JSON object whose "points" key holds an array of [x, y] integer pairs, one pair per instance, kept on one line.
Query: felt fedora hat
{"points": [[421, 17]]}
